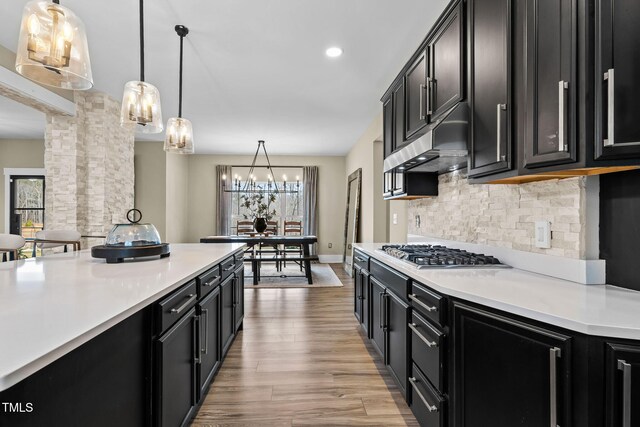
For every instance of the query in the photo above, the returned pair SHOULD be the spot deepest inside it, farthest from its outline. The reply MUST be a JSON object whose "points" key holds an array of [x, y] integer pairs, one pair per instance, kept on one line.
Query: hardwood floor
{"points": [[302, 360]]}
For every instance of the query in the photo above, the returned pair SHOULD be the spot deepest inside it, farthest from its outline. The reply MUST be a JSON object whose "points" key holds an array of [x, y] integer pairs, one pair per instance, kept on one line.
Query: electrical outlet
{"points": [[330, 245], [543, 234], [395, 219]]}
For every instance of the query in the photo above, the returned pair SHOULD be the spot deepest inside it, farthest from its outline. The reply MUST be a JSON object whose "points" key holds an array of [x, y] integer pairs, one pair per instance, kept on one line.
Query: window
{"points": [[27, 205], [281, 206]]}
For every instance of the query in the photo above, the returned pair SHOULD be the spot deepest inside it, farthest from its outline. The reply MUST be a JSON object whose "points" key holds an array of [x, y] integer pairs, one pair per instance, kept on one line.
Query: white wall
{"points": [[150, 183], [177, 200]]}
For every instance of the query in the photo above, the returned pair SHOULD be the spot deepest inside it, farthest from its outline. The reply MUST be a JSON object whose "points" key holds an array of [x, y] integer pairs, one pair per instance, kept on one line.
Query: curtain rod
{"points": [[265, 166]]}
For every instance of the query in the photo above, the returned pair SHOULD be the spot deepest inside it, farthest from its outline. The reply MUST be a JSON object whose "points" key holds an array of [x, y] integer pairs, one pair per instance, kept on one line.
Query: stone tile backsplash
{"points": [[505, 215]]}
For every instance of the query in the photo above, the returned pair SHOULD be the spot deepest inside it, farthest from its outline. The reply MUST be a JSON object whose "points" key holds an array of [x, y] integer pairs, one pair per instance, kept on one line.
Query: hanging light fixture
{"points": [[179, 136], [141, 100], [52, 47]]}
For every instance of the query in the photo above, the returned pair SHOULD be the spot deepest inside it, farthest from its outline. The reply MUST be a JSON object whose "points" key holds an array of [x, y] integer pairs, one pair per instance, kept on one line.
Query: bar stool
{"points": [[10, 244], [47, 239]]}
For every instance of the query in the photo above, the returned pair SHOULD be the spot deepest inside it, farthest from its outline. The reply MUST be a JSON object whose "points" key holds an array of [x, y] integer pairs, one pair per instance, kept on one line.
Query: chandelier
{"points": [[251, 185]]}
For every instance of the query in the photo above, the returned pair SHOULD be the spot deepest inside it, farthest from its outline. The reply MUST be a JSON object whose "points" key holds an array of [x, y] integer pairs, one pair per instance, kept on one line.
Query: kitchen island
{"points": [[85, 342]]}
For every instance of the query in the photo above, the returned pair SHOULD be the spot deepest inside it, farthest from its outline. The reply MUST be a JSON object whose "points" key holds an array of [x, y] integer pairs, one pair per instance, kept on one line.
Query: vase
{"points": [[260, 224]]}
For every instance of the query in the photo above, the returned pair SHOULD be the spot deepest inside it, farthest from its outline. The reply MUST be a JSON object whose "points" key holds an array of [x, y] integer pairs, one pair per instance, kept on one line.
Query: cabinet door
{"points": [[378, 338], [226, 313], [366, 303], [397, 320], [357, 294], [398, 115], [416, 109], [209, 339], [238, 302], [490, 86], [446, 75], [617, 83], [550, 84], [622, 385], [177, 351], [509, 373], [387, 121]]}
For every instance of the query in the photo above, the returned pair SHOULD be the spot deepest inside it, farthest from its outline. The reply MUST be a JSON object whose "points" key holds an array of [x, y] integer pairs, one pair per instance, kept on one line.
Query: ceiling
{"points": [[17, 121], [254, 69]]}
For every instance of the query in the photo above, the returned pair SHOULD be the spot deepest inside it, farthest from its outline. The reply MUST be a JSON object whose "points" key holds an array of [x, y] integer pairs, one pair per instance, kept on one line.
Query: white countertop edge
{"points": [[14, 377], [588, 272], [608, 331]]}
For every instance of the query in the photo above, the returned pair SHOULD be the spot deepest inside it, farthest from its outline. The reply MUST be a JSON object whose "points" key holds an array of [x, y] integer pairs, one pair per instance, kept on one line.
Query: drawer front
{"points": [[227, 267], [361, 260], [428, 350], [208, 281], [239, 259], [397, 282], [429, 303], [172, 308], [427, 405]]}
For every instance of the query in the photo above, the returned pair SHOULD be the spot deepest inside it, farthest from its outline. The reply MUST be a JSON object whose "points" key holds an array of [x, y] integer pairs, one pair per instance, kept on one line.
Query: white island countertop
{"points": [[52, 305], [599, 310]]}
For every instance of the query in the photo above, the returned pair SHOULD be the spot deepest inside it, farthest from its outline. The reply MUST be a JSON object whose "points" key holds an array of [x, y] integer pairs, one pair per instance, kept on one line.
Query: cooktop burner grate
{"points": [[435, 256]]}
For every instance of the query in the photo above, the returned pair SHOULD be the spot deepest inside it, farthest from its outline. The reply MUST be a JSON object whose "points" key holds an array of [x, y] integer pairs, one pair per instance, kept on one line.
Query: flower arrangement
{"points": [[259, 204]]}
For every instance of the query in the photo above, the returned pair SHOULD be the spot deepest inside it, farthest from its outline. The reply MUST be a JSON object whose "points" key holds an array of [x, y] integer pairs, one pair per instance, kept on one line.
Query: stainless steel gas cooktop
{"points": [[434, 256]]}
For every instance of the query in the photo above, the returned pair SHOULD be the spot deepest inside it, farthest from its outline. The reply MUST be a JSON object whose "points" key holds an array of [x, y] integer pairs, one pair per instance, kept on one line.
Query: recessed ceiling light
{"points": [[422, 158], [401, 168], [333, 52]]}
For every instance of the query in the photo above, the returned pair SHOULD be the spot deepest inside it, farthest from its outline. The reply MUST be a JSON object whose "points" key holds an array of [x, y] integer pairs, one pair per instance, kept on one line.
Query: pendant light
{"points": [[52, 47], [179, 137], [141, 100]]}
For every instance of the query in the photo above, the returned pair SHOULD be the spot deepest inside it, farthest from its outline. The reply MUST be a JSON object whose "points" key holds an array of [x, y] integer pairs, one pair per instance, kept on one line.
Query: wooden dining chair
{"points": [[244, 226], [292, 228], [10, 244]]}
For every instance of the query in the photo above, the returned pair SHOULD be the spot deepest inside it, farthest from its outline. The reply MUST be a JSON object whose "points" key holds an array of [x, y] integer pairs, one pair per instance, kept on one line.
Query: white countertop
{"points": [[52, 305], [600, 310]]}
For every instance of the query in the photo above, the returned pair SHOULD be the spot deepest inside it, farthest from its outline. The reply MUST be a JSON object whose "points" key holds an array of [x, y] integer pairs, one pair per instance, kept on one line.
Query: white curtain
{"points": [[223, 201]]}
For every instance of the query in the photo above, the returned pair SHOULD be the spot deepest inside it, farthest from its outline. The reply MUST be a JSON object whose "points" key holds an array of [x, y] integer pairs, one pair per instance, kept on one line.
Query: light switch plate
{"points": [[395, 219], [543, 234]]}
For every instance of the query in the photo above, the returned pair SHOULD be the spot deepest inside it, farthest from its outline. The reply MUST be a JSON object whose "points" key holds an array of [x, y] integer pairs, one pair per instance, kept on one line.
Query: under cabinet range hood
{"points": [[441, 149]]}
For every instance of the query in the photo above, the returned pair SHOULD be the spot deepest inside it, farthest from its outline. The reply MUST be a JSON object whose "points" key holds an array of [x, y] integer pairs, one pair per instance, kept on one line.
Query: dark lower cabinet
{"points": [[617, 84], [177, 353], [428, 406], [238, 298], [397, 316], [490, 86], [209, 309], [227, 318], [362, 309], [622, 365], [509, 373], [357, 293], [378, 335]]}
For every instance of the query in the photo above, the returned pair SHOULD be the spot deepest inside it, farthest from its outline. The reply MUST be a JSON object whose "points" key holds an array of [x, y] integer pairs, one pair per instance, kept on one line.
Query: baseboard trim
{"points": [[330, 259]]}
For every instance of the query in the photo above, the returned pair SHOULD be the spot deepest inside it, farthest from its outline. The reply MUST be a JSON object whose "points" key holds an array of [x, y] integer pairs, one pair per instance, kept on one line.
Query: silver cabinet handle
{"points": [[422, 89], [609, 76], [430, 96], [360, 259], [414, 328], [205, 312], [499, 109], [562, 114], [626, 392], [554, 354], [229, 268], [414, 298], [380, 306], [192, 298], [211, 282], [430, 408], [197, 356]]}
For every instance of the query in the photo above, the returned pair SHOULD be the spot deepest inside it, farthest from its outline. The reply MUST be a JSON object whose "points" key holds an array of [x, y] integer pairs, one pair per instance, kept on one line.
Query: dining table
{"points": [[256, 257]]}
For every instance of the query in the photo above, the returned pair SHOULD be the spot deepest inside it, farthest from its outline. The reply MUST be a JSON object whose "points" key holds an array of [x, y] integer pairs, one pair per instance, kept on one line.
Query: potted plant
{"points": [[258, 204]]}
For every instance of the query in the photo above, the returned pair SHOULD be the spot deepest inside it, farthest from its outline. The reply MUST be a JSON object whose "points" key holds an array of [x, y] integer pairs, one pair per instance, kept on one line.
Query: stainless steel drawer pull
{"points": [[205, 320], [430, 408], [229, 268], [192, 298], [626, 392], [414, 328], [611, 90], [499, 109], [414, 298], [562, 114], [211, 282], [554, 354], [360, 259]]}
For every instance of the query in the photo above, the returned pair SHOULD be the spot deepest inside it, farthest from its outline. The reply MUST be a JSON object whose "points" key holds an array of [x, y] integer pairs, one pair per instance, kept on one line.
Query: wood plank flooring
{"points": [[302, 360]]}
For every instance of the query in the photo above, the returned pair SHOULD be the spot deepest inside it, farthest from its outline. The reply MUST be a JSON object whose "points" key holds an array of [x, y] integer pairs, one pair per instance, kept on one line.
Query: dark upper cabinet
{"points": [[490, 86], [445, 82], [510, 373], [416, 91], [387, 120], [550, 85], [397, 318], [617, 84], [398, 115], [622, 385], [210, 358], [378, 335]]}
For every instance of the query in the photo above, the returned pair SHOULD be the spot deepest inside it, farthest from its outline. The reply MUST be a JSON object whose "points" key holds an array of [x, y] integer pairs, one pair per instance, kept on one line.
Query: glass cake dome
{"points": [[133, 234]]}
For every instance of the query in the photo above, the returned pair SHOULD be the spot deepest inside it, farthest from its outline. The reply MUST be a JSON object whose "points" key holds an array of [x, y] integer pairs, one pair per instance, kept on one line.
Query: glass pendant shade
{"points": [[141, 107], [52, 47], [179, 137]]}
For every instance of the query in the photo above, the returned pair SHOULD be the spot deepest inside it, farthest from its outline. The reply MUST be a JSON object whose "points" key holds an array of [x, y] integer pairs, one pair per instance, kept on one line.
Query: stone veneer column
{"points": [[89, 166]]}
